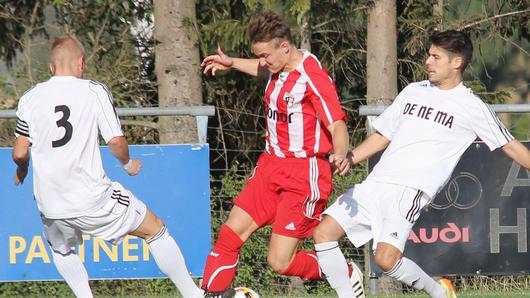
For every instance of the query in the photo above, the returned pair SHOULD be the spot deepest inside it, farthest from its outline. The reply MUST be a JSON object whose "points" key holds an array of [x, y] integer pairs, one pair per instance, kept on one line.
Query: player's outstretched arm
{"points": [[518, 152], [373, 144], [21, 158], [120, 149], [221, 61]]}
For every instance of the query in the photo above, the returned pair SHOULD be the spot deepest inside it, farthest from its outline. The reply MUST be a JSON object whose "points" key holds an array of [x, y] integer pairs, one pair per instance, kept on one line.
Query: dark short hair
{"points": [[455, 42], [267, 26]]}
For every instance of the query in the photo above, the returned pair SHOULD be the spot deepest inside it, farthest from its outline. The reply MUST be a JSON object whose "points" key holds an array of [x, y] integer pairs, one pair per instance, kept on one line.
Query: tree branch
{"points": [[514, 44], [492, 18], [28, 45]]}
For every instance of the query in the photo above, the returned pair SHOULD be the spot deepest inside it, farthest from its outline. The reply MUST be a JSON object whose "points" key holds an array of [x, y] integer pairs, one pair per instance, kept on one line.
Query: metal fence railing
{"points": [[374, 110], [201, 113]]}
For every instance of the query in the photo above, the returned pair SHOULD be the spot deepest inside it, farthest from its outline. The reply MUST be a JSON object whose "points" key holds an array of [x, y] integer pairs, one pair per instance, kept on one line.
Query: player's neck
{"points": [[449, 83], [294, 60], [67, 72]]}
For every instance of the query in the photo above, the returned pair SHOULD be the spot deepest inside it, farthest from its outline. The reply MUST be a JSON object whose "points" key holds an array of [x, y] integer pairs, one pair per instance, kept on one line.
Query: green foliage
{"points": [[100, 288], [118, 50], [19, 20]]}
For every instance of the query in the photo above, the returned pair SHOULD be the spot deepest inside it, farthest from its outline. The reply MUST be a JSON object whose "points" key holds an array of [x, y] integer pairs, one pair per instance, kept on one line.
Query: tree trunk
{"points": [[381, 76], [305, 42], [177, 67], [438, 12], [381, 60]]}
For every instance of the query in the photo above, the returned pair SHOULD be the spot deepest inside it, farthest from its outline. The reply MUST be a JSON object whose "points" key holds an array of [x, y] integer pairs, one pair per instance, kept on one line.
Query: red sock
{"points": [[305, 266], [221, 264]]}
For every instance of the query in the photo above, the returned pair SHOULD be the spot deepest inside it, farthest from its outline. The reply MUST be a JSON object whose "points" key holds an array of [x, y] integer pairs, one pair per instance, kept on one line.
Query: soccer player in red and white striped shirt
{"points": [[292, 181]]}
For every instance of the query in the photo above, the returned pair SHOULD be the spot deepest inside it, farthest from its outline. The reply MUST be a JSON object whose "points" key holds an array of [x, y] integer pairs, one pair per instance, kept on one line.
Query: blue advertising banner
{"points": [[174, 183]]}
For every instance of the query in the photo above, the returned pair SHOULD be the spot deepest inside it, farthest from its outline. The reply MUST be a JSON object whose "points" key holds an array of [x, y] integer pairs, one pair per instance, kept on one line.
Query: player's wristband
{"points": [[128, 165]]}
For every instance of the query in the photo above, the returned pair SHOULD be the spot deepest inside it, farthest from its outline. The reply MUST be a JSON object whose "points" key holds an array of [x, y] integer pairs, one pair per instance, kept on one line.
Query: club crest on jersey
{"points": [[289, 99]]}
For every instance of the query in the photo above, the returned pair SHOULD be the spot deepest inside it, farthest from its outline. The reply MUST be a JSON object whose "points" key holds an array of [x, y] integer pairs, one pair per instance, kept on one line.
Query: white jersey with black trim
{"points": [[429, 129], [62, 117]]}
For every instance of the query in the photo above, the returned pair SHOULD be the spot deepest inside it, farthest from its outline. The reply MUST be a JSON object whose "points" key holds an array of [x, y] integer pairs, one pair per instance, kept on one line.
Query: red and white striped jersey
{"points": [[299, 105]]}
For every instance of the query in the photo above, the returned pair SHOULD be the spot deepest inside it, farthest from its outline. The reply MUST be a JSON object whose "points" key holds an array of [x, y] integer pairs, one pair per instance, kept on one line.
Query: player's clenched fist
{"points": [[340, 164], [133, 167], [20, 175], [213, 63]]}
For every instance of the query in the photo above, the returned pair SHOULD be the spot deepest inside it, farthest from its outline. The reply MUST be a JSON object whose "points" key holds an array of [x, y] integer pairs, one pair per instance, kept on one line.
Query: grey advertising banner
{"points": [[479, 223]]}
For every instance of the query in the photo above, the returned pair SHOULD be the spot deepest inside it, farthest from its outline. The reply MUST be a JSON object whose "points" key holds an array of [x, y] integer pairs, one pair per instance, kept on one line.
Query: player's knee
{"points": [[320, 235], [328, 230], [276, 264], [158, 223], [386, 259]]}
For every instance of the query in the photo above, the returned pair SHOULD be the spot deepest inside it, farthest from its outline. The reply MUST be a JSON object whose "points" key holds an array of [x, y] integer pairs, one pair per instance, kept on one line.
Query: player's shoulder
{"points": [[468, 92], [468, 98], [31, 93], [100, 89], [425, 84], [96, 85], [414, 88], [311, 63]]}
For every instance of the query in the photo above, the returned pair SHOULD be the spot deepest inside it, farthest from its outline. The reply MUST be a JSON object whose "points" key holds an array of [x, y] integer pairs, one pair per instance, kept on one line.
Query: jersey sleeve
{"points": [[488, 126], [388, 121], [22, 128], [108, 122], [325, 100]]}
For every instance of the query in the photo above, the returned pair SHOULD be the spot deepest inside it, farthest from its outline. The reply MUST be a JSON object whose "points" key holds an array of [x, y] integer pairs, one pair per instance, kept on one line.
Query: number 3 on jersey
{"points": [[63, 122]]}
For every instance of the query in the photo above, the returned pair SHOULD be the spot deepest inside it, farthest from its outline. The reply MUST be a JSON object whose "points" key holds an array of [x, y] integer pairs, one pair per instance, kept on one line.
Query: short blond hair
{"points": [[65, 49]]}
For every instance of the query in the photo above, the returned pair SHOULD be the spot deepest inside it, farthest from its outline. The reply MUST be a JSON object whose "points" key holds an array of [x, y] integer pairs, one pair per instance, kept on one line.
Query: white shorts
{"points": [[384, 212], [121, 215]]}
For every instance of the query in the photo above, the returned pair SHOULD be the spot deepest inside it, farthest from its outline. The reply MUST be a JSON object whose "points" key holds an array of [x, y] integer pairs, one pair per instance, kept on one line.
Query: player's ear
{"points": [[457, 62], [284, 45], [81, 64], [51, 68]]}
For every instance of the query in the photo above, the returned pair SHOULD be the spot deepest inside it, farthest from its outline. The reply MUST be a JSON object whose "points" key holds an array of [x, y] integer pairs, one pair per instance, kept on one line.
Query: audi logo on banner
{"points": [[463, 192]]}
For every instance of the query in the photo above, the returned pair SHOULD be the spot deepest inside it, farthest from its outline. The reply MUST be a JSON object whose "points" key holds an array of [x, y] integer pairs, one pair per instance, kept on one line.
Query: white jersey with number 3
{"points": [[62, 118], [429, 130]]}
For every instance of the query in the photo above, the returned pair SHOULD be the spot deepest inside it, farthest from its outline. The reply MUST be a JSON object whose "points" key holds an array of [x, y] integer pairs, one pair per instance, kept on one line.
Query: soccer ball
{"points": [[242, 292]]}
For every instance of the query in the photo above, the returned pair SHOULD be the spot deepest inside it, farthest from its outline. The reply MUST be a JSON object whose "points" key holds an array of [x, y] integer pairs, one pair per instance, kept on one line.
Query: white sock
{"points": [[335, 268], [74, 273], [170, 261], [409, 273]]}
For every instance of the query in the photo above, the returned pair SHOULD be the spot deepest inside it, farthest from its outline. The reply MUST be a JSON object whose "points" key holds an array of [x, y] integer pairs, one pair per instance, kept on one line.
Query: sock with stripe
{"points": [[74, 273], [409, 273], [335, 268], [304, 265], [221, 264], [171, 262]]}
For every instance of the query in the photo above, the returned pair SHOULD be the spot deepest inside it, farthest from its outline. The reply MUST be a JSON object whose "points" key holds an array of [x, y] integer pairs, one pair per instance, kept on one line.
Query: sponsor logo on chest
{"points": [[429, 113]]}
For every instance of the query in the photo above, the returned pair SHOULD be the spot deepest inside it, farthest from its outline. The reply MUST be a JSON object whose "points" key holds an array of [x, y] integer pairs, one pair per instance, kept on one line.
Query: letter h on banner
{"points": [[496, 230]]}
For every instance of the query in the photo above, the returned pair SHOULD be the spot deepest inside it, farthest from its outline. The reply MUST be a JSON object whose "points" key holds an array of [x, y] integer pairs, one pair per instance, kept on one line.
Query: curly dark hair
{"points": [[267, 26]]}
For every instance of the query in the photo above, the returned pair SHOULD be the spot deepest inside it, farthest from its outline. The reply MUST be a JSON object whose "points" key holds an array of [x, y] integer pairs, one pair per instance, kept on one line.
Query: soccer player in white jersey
{"points": [[292, 181], [60, 119], [425, 132]]}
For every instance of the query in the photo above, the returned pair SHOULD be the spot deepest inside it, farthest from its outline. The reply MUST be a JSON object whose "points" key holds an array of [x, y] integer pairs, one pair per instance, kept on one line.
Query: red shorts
{"points": [[289, 193]]}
